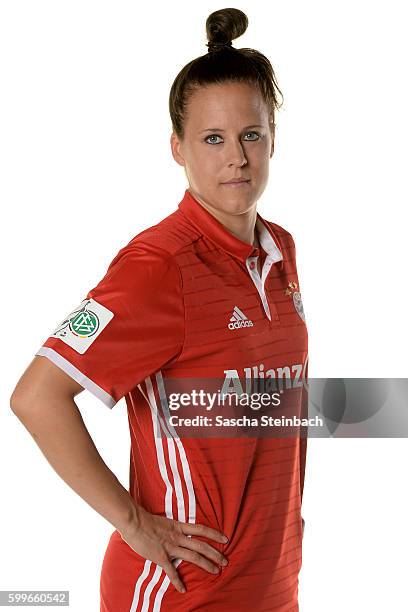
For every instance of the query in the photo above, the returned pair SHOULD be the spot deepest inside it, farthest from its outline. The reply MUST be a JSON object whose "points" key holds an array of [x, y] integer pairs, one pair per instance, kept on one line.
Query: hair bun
{"points": [[224, 26]]}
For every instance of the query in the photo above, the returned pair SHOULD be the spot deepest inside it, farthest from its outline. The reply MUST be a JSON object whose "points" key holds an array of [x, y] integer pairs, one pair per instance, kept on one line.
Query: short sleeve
{"points": [[126, 328]]}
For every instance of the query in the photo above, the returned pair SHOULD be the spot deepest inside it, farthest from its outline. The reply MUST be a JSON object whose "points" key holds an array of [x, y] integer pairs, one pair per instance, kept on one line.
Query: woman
{"points": [[208, 523]]}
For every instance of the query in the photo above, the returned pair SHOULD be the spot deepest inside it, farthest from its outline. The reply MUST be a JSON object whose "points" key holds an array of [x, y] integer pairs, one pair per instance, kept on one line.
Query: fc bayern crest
{"points": [[297, 301]]}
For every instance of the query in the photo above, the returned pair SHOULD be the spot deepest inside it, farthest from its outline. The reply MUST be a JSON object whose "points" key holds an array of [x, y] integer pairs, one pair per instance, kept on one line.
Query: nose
{"points": [[236, 154]]}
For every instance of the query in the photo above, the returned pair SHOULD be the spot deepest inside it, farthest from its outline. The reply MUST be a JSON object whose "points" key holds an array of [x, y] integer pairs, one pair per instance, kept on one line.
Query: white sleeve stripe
{"points": [[77, 375]]}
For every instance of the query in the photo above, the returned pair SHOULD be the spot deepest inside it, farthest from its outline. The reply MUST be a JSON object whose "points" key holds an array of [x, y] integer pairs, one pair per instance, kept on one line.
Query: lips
{"points": [[235, 185], [239, 180]]}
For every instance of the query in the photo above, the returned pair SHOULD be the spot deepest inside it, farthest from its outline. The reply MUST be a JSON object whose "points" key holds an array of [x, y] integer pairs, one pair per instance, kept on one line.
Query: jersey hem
{"points": [[77, 375]]}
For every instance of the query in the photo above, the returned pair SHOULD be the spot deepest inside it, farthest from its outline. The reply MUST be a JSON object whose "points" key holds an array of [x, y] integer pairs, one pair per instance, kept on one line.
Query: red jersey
{"points": [[184, 300]]}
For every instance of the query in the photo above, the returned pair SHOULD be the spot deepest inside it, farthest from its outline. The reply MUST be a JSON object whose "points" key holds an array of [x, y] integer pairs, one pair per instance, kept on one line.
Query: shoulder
{"points": [[284, 237], [172, 234], [159, 244], [140, 275], [149, 259]]}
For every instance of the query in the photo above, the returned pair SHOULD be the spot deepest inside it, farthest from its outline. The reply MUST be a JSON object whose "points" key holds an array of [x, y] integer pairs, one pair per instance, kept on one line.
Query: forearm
{"points": [[60, 432]]}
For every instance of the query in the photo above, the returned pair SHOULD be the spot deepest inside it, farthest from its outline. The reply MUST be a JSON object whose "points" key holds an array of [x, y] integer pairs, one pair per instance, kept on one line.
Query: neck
{"points": [[242, 226]]}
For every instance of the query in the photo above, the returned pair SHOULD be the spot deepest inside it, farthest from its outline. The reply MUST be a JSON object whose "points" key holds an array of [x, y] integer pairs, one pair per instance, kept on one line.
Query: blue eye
{"points": [[217, 136], [257, 135], [212, 136]]}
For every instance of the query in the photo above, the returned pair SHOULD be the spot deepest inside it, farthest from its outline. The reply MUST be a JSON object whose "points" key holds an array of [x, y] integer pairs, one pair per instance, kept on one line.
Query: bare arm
{"points": [[43, 400]]}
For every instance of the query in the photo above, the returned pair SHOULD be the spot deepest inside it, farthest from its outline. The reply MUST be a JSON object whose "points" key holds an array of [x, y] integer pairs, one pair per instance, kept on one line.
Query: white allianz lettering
{"points": [[257, 379]]}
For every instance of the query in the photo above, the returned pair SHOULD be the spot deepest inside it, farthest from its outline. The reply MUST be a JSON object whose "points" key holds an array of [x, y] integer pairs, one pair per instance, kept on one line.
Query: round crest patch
{"points": [[297, 301], [84, 324]]}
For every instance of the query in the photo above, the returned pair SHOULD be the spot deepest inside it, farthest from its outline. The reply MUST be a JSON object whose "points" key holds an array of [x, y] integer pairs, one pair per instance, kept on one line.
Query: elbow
{"points": [[17, 402], [24, 399], [26, 407]]}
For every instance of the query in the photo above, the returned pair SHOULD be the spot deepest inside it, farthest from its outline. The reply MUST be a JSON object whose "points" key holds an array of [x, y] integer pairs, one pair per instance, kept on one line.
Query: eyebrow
{"points": [[221, 130]]}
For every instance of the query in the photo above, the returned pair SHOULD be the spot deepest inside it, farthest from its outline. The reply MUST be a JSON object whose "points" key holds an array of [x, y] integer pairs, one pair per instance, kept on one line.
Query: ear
{"points": [[272, 140], [176, 149]]}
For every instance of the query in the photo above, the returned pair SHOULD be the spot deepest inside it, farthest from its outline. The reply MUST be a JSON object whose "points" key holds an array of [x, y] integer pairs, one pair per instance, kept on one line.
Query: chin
{"points": [[238, 205]]}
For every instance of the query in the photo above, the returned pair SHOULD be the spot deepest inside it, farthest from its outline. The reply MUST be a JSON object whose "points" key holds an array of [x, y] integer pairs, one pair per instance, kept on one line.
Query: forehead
{"points": [[225, 102]]}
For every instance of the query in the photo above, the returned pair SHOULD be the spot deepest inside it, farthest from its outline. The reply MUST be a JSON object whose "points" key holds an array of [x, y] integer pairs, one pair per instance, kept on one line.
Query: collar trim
{"points": [[208, 225]]}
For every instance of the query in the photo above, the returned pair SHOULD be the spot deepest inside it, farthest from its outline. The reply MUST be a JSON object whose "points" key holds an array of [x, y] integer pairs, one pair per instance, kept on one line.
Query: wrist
{"points": [[130, 520]]}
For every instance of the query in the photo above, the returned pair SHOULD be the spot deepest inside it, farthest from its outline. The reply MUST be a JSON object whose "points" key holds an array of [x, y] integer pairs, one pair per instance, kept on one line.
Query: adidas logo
{"points": [[238, 319]]}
